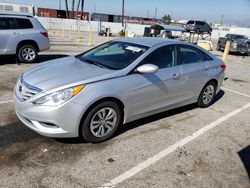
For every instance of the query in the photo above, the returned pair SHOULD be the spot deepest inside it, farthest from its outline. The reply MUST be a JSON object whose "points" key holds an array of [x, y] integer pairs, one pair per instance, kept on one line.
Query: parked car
{"points": [[157, 31], [239, 43], [23, 36], [198, 27], [92, 94]]}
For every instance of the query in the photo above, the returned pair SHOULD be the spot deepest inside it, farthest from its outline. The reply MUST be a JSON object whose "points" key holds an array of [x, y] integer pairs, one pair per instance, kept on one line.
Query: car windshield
{"points": [[114, 55], [234, 37], [190, 22]]}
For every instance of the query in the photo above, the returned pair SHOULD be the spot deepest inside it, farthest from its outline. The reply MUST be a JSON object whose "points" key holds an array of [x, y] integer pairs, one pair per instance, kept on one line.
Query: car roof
{"points": [[235, 34], [148, 41], [15, 15]]}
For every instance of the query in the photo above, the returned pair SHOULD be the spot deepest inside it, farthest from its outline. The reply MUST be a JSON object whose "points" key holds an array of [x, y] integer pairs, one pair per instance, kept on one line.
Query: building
{"points": [[10, 7], [127, 19]]}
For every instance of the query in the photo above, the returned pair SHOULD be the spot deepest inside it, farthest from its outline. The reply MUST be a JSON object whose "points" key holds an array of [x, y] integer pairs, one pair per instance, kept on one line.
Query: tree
{"points": [[166, 19]]}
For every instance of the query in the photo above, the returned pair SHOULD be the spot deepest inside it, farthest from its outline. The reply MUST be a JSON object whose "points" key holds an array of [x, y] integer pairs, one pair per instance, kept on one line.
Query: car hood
{"points": [[240, 41], [65, 71]]}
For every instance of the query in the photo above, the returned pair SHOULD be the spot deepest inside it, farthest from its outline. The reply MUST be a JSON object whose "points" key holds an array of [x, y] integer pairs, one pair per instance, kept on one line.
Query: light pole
{"points": [[60, 4], [122, 13], [222, 18]]}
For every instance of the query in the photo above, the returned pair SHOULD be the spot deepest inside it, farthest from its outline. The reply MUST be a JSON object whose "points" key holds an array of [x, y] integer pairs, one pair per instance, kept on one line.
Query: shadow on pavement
{"points": [[47, 57], [11, 59], [150, 119], [245, 158], [17, 132]]}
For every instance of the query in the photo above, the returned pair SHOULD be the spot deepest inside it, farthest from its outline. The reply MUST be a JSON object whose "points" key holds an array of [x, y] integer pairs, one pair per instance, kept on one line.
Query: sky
{"points": [[209, 10]]}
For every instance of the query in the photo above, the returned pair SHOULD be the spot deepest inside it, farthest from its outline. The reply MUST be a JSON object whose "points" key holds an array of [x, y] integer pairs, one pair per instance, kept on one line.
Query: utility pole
{"points": [[122, 13], [222, 18], [156, 12], [67, 8], [148, 14]]}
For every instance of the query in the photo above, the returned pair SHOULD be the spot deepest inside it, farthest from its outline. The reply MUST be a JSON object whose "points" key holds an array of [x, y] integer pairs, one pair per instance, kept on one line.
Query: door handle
{"points": [[16, 33], [205, 67], [176, 76]]}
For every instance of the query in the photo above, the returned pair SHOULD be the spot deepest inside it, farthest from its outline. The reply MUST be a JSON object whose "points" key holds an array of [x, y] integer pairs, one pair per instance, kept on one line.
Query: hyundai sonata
{"points": [[92, 94]]}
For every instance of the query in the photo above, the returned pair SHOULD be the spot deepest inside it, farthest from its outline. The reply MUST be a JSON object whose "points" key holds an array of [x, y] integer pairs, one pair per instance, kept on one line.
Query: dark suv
{"points": [[198, 27]]}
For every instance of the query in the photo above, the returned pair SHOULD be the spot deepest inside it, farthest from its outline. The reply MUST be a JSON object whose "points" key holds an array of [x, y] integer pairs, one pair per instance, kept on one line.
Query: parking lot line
{"points": [[233, 91], [7, 101], [150, 161]]}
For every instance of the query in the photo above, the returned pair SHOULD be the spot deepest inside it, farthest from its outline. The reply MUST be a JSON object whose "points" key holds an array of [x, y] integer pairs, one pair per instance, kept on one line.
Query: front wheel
{"points": [[101, 122], [207, 95]]}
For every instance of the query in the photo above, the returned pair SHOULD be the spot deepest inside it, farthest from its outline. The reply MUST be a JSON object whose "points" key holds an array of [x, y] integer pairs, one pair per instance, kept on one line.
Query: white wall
{"points": [[242, 31], [57, 23]]}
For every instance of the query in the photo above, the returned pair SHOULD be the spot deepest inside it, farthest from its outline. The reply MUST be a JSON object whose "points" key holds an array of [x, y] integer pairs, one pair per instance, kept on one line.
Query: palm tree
{"points": [[67, 8], [73, 8], [82, 6]]}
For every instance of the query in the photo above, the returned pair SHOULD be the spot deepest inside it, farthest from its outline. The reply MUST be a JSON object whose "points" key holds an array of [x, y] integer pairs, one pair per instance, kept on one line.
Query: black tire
{"points": [[31, 52], [248, 49], [86, 131], [218, 48], [201, 101]]}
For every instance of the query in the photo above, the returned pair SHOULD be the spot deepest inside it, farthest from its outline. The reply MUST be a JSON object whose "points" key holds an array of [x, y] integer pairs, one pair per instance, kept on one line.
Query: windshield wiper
{"points": [[92, 62]]}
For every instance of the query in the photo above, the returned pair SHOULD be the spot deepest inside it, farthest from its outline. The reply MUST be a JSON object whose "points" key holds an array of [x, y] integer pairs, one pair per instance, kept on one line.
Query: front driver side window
{"points": [[163, 57]]}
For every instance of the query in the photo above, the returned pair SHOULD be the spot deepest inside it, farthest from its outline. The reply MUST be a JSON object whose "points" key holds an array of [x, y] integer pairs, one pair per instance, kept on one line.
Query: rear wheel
{"points": [[101, 122], [27, 54], [207, 95]]}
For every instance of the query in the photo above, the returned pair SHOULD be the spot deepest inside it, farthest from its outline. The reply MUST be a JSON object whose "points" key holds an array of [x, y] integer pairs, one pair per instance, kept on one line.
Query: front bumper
{"points": [[240, 50], [56, 122]]}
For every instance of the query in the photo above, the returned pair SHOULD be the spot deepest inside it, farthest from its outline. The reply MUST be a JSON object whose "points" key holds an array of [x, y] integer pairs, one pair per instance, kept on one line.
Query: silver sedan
{"points": [[92, 94]]}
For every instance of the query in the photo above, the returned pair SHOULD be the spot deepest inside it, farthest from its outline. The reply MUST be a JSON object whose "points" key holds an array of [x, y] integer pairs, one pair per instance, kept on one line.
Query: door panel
{"points": [[194, 70], [5, 34], [161, 89], [155, 91], [195, 76]]}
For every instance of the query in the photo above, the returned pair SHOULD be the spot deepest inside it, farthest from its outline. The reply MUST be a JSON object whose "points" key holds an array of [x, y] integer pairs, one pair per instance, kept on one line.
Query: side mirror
{"points": [[147, 68]]}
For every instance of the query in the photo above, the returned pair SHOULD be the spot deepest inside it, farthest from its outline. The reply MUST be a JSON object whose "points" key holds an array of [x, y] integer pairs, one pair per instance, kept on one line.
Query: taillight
{"points": [[223, 67], [45, 33]]}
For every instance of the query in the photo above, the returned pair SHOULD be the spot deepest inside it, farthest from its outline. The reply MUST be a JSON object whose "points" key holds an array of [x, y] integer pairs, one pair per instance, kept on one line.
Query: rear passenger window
{"points": [[4, 24], [24, 23], [13, 23], [163, 57], [189, 55]]}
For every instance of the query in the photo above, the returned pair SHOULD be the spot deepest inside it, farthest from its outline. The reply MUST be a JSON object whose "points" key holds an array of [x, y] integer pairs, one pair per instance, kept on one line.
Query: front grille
{"points": [[25, 91]]}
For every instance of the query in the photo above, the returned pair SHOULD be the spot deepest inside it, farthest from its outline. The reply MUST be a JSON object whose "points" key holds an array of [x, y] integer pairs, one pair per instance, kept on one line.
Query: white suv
{"points": [[23, 36]]}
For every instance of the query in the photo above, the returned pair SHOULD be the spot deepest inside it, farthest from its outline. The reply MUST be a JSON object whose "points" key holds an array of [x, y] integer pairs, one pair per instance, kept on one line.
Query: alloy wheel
{"points": [[208, 94], [28, 54], [103, 122]]}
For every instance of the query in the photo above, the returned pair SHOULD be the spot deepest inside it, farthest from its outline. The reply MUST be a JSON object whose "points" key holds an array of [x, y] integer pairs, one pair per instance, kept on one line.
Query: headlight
{"points": [[234, 45], [58, 97]]}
